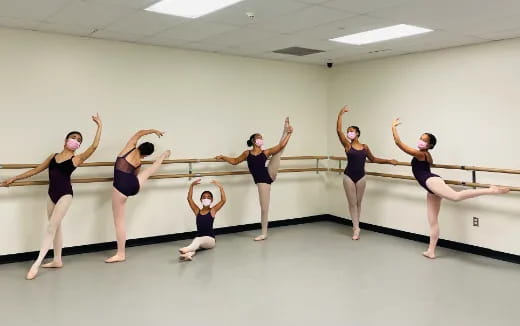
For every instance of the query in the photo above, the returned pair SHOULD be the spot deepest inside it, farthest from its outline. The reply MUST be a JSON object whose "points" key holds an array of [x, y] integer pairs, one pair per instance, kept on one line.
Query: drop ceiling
{"points": [[278, 24]]}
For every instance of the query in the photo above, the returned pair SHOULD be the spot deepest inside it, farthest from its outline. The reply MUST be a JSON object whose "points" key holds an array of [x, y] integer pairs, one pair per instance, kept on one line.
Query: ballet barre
{"points": [[168, 176], [186, 160], [443, 166], [191, 174], [473, 169]]}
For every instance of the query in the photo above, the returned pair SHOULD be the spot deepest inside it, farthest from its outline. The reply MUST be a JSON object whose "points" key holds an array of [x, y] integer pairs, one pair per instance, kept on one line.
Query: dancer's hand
{"points": [[396, 123], [7, 182], [215, 182], [167, 154], [97, 119], [290, 130], [344, 110], [159, 133], [393, 162], [196, 182], [219, 157]]}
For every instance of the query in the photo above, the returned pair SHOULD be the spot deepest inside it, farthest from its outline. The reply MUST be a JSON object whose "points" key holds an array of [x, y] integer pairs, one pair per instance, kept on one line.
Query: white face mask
{"points": [[206, 202]]}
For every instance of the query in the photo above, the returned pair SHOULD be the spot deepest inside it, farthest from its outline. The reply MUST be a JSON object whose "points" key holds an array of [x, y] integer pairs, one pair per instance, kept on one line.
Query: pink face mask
{"points": [[259, 142], [73, 144], [422, 144], [351, 135]]}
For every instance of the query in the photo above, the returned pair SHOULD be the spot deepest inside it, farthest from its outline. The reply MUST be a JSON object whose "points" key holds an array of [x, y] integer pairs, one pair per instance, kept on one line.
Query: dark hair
{"points": [[432, 139], [74, 132], [206, 192], [146, 148], [356, 128], [251, 140]]}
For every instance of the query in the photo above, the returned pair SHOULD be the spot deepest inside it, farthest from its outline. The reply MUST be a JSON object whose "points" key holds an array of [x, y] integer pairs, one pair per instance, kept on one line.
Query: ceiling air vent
{"points": [[295, 50]]}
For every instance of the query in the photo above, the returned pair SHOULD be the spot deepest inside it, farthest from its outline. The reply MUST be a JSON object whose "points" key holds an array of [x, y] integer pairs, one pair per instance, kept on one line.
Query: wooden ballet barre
{"points": [[167, 176], [176, 161], [451, 182], [446, 166]]}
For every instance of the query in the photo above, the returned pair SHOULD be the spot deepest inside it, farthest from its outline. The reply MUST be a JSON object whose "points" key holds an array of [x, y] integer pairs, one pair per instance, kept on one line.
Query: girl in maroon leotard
{"points": [[263, 175], [60, 167], [354, 181], [436, 187]]}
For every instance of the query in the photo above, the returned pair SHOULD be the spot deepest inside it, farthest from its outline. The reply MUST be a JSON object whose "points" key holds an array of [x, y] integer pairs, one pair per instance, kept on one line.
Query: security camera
{"points": [[251, 15], [330, 64]]}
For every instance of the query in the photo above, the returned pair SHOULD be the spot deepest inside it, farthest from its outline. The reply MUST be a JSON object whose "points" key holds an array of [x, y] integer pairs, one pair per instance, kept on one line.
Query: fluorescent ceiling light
{"points": [[190, 8], [382, 34]]}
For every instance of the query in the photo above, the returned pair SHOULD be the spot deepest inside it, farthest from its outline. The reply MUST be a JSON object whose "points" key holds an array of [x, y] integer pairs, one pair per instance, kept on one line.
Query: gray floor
{"points": [[309, 274]]}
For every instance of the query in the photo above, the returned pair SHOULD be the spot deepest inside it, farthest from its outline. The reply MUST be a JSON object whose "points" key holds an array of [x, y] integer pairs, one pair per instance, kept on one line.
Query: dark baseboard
{"points": [[425, 239], [26, 256]]}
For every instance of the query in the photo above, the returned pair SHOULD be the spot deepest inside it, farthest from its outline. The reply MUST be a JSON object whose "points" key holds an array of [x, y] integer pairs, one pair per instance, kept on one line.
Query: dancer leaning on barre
{"points": [[128, 180], [263, 176], [354, 180], [205, 216], [60, 165], [435, 186]]}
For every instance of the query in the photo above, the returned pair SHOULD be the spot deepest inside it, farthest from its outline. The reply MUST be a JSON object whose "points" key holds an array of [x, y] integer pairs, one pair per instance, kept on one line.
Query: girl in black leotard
{"points": [[61, 166], [204, 218], [263, 176], [436, 188], [128, 179], [354, 181]]}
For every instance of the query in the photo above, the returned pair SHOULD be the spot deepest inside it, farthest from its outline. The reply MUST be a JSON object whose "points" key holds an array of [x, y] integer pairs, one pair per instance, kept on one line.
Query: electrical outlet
{"points": [[475, 221]]}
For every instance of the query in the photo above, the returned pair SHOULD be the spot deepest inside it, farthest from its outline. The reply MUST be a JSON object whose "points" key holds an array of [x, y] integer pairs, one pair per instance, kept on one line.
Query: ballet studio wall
{"points": [[468, 97], [209, 104]]}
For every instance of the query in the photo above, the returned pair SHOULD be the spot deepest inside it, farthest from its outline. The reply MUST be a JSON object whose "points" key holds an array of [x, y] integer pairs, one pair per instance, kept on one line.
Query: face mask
{"points": [[259, 142], [73, 144], [351, 135], [206, 202], [422, 144]]}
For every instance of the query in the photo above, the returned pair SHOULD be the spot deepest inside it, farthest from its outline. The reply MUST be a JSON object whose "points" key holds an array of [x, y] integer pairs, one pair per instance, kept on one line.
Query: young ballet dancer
{"points": [[60, 165], [435, 186], [128, 180], [204, 218], [354, 181], [263, 176]]}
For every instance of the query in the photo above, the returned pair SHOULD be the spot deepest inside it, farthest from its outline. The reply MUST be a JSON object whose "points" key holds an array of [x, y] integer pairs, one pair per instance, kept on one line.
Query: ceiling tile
{"points": [[354, 24], [430, 41], [65, 29], [437, 14], [363, 6], [303, 19], [313, 2], [136, 4], [240, 37], [115, 36], [194, 31], [88, 14], [501, 35], [30, 9], [145, 23], [263, 10]]}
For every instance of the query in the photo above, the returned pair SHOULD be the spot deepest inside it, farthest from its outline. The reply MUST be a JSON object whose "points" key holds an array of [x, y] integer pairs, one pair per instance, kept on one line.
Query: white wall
{"points": [[468, 97], [209, 104]]}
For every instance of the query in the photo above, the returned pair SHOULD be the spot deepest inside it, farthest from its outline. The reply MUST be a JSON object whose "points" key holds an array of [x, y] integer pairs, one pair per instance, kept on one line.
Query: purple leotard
{"points": [[125, 176], [421, 172], [59, 178], [256, 165], [205, 225], [355, 169]]}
